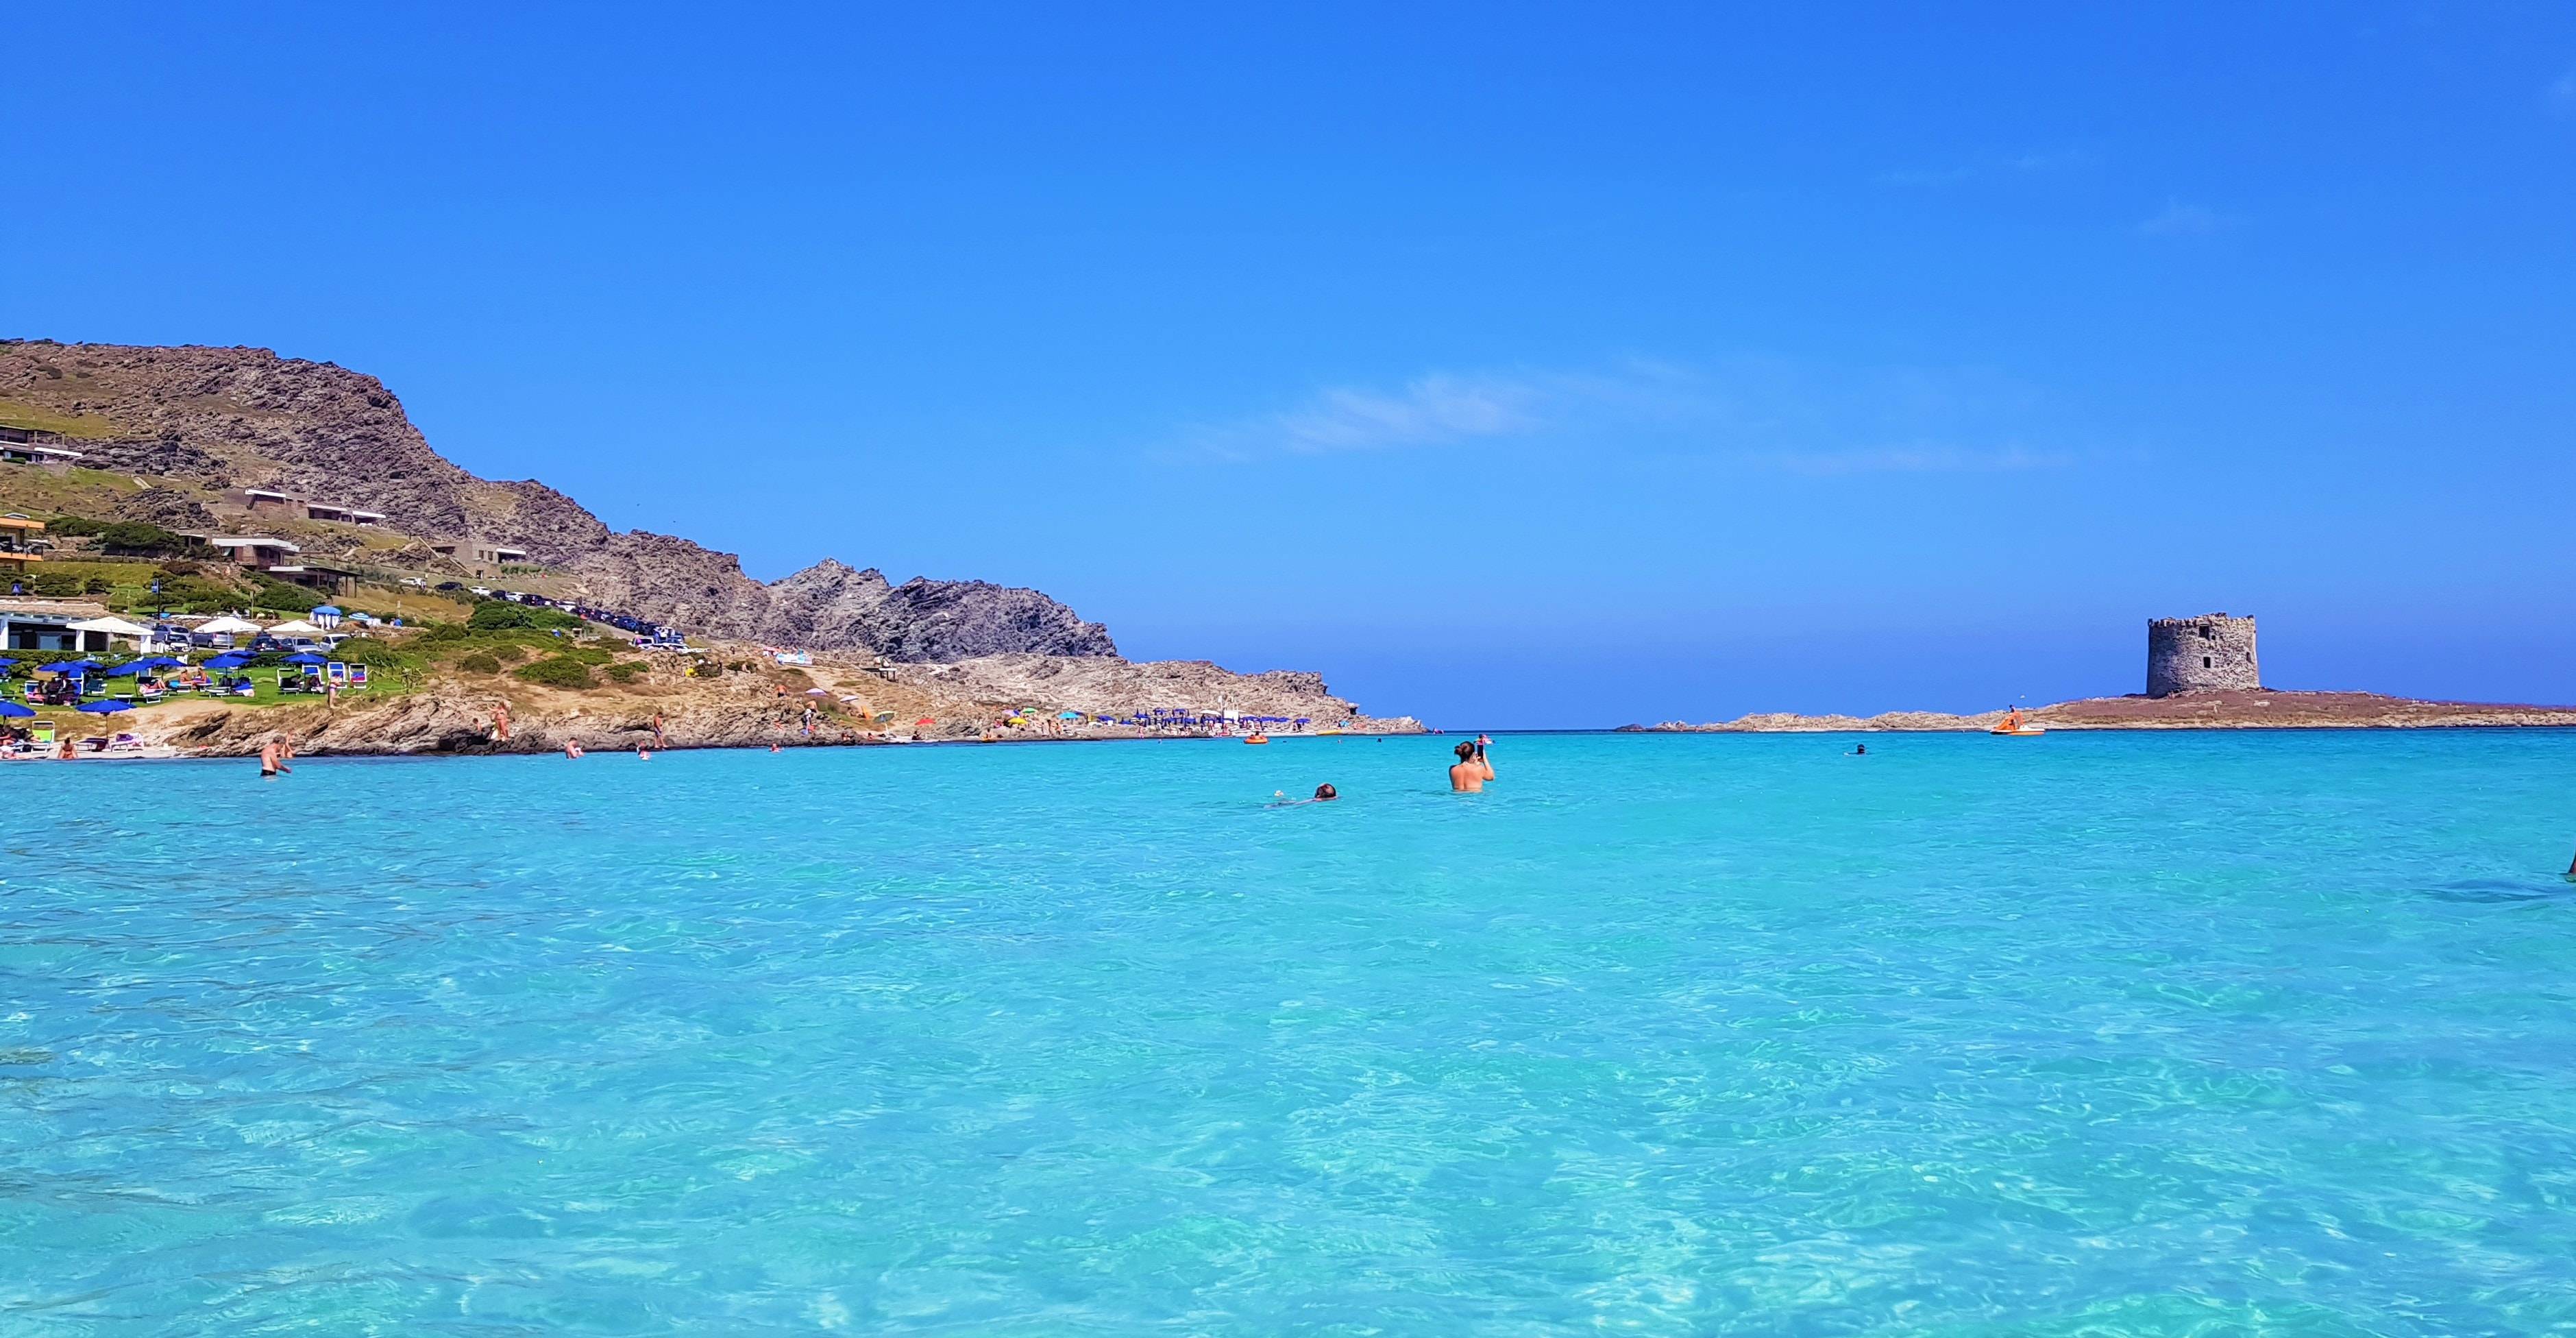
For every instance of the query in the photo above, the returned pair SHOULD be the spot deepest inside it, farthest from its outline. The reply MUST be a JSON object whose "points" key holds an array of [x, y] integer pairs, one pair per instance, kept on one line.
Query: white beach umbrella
{"points": [[227, 626], [111, 626], [296, 627]]}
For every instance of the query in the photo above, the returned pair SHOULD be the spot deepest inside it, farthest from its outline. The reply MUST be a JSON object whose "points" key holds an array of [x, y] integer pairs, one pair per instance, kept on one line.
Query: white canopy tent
{"points": [[296, 627], [226, 626]]}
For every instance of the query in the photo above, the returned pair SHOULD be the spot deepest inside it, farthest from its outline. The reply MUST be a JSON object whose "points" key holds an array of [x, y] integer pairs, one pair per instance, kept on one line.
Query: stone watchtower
{"points": [[2199, 654]]}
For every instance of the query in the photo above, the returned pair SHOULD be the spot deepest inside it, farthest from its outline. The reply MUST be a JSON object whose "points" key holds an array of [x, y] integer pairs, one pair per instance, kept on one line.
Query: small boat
{"points": [[1256, 737], [2012, 723]]}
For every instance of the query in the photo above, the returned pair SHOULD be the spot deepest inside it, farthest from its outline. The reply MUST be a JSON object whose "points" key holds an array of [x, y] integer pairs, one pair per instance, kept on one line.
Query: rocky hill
{"points": [[189, 423]]}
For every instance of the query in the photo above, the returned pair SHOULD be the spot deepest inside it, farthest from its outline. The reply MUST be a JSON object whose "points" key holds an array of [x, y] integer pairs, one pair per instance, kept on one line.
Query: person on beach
{"points": [[1471, 772], [272, 759], [501, 722], [572, 747], [657, 729]]}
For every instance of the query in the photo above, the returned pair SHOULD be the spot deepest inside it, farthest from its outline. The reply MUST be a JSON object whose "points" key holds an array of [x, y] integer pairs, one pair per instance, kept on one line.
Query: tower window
{"points": [[2204, 661]]}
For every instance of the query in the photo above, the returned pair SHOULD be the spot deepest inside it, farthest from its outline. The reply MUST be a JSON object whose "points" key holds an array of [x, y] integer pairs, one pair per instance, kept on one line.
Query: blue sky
{"points": [[1513, 366]]}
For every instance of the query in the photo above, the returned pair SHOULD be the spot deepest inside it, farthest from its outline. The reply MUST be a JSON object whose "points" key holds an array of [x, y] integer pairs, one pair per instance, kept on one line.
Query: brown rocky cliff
{"points": [[245, 417]]}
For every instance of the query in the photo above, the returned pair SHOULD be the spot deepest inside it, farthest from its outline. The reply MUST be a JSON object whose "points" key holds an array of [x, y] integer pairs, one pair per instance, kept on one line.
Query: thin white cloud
{"points": [[1433, 410], [2181, 218], [1767, 413]]}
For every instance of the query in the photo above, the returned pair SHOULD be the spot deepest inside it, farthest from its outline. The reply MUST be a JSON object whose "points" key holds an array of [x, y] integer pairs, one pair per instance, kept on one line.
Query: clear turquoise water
{"points": [[2087, 1034]]}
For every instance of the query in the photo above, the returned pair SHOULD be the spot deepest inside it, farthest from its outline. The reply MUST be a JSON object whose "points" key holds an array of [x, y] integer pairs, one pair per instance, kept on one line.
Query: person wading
{"points": [[1471, 772]]}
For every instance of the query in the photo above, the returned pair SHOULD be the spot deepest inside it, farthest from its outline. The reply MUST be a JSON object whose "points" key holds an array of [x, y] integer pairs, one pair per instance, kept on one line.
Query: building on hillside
{"points": [[346, 515], [18, 541], [34, 446], [480, 554], [270, 502], [258, 552], [328, 577]]}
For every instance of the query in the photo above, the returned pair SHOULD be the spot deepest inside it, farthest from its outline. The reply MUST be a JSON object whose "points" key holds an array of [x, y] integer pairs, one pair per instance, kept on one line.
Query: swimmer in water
{"points": [[1859, 750], [272, 759], [1471, 772], [572, 747], [1323, 792]]}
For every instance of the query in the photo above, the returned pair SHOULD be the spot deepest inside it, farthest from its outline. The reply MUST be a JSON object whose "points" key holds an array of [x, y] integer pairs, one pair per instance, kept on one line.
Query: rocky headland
{"points": [[2235, 708], [755, 704], [239, 441]]}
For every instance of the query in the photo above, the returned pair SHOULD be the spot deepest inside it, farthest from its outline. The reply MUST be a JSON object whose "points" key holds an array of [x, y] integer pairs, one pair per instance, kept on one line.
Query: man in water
{"points": [[1472, 770], [272, 760]]}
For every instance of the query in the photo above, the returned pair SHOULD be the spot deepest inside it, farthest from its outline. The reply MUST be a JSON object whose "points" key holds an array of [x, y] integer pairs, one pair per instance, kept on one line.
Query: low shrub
{"points": [[120, 535], [500, 615], [555, 671], [506, 652], [479, 663], [283, 598], [625, 672]]}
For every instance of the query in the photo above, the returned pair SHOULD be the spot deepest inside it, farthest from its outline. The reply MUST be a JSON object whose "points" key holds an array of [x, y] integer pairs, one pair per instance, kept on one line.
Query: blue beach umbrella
{"points": [[105, 707], [74, 667], [5, 662], [307, 657], [124, 670], [13, 708], [228, 662]]}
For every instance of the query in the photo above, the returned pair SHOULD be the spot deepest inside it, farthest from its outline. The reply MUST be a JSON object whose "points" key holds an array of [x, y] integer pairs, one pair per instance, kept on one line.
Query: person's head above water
{"points": [[1465, 751], [1326, 791]]}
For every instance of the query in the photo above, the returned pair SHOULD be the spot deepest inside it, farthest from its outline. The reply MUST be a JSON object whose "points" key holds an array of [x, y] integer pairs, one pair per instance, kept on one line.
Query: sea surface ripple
{"points": [[2086, 1034]]}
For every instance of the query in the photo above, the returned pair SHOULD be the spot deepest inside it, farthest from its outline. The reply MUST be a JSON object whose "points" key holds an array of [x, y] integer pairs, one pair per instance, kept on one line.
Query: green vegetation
{"points": [[555, 671], [500, 615], [67, 585], [283, 598], [626, 672], [383, 659], [479, 663], [132, 536]]}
